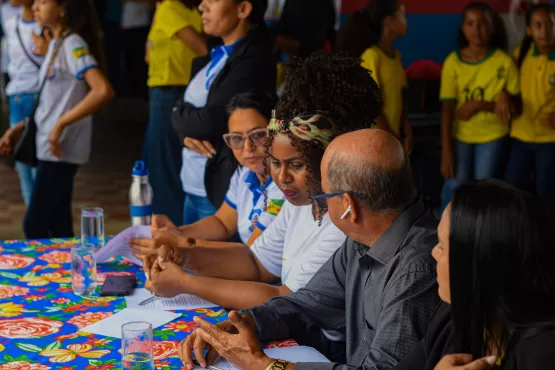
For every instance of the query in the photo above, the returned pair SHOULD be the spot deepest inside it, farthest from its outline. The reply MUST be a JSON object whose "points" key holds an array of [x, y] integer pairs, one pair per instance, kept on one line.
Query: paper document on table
{"points": [[111, 326], [291, 354], [119, 246], [180, 302]]}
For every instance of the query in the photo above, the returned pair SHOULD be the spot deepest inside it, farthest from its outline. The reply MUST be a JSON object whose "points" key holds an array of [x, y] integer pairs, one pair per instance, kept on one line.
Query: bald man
{"points": [[377, 292]]}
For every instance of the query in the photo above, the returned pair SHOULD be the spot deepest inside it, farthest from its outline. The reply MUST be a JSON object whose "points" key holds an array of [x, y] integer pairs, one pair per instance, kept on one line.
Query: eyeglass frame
{"points": [[245, 138], [326, 196]]}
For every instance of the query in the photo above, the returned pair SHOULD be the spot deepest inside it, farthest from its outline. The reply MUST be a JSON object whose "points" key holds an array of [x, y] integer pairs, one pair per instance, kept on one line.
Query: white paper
{"points": [[291, 354], [119, 246], [180, 302], [111, 326]]}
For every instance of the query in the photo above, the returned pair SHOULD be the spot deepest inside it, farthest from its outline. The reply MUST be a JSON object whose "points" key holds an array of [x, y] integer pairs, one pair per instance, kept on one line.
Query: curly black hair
{"points": [[333, 83]]}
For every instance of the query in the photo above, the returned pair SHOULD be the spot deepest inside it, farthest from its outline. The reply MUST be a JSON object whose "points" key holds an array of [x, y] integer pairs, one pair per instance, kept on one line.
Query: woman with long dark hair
{"points": [[75, 88], [495, 261]]}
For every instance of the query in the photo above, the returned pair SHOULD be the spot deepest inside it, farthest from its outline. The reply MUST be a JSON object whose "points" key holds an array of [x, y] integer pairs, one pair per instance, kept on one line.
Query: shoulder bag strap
{"points": [[23, 45]]}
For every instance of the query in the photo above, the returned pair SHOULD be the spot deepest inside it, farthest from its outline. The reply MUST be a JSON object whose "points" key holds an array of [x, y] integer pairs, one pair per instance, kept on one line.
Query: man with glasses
{"points": [[378, 289]]}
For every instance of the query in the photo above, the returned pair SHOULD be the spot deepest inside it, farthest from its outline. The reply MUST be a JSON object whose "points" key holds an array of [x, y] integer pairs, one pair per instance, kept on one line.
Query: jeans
{"points": [[162, 154], [531, 163], [49, 214], [21, 106], [196, 208], [475, 162]]}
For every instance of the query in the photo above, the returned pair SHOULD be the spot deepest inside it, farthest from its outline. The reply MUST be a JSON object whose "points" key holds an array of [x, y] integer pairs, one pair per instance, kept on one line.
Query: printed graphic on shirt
{"points": [[255, 215], [274, 206], [80, 52]]}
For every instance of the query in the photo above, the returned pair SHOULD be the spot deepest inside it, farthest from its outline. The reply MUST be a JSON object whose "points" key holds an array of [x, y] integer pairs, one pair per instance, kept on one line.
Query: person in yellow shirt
{"points": [[532, 154], [370, 34], [474, 124], [173, 42]]}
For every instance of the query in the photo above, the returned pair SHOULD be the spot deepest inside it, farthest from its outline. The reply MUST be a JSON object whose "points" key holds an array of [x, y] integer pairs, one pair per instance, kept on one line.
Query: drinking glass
{"points": [[83, 269], [92, 226], [136, 343]]}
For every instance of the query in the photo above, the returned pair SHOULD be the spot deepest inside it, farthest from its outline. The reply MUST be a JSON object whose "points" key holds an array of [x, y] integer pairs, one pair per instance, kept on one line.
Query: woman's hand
{"points": [[54, 140], [468, 109], [234, 339], [464, 362], [7, 142], [162, 223], [167, 279], [169, 246], [202, 147], [503, 107]]}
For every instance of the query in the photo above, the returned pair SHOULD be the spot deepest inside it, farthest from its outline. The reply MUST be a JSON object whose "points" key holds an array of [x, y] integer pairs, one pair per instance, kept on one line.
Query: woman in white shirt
{"points": [[326, 95], [75, 88], [253, 200], [23, 69]]}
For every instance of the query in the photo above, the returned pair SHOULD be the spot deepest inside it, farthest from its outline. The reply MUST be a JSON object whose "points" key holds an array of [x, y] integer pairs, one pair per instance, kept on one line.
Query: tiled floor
{"points": [[104, 182]]}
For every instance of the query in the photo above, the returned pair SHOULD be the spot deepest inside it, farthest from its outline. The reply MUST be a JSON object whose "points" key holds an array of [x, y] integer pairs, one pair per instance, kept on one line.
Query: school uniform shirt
{"points": [[295, 247], [7, 12], [390, 76], [135, 15], [246, 196], [537, 84], [24, 74], [194, 164], [463, 81], [170, 60], [64, 89]]}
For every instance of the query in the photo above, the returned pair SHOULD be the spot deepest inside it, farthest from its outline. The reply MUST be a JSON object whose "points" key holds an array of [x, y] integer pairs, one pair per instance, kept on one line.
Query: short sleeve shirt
{"points": [[294, 247], [170, 60], [485, 80], [248, 197], [64, 89], [390, 76], [24, 73]]}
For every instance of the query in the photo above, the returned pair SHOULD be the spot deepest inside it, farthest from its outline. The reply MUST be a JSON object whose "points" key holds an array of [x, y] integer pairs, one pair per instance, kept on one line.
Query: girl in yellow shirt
{"points": [[474, 123], [173, 42], [533, 133], [370, 34]]}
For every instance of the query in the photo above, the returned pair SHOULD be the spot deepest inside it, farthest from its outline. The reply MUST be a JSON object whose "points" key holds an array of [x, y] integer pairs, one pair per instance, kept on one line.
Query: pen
{"points": [[148, 300], [208, 367]]}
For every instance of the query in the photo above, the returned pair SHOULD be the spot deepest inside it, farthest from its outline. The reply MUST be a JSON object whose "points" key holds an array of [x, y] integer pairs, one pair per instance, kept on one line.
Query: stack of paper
{"points": [[180, 302]]}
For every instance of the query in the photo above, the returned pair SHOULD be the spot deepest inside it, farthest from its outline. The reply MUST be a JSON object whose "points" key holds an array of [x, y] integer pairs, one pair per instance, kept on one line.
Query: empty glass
{"points": [[83, 269], [92, 226], [136, 343]]}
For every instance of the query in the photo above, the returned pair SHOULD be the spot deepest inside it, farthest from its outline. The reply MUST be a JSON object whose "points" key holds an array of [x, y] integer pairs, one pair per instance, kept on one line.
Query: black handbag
{"points": [[25, 150]]}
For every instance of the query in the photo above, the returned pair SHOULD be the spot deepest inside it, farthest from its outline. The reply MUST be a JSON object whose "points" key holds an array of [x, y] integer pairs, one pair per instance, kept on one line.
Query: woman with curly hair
{"points": [[326, 96]]}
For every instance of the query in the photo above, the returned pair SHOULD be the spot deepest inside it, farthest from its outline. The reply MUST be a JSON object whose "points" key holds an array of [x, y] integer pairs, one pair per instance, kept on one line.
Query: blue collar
{"points": [[219, 52], [254, 185]]}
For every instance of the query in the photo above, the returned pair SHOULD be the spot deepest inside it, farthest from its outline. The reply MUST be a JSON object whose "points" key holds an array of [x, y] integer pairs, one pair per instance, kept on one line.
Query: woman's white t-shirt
{"points": [[295, 247], [248, 197], [64, 89]]}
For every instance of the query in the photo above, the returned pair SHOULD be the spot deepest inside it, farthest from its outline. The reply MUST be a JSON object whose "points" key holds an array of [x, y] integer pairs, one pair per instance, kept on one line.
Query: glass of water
{"points": [[92, 226], [136, 345], [83, 269]]}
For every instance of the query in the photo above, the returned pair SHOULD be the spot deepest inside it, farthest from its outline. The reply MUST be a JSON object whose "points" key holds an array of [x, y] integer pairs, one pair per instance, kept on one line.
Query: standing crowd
{"points": [[300, 210]]}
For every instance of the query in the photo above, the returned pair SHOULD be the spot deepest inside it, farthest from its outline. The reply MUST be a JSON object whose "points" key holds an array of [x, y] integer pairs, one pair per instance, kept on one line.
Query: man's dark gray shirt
{"points": [[381, 298]]}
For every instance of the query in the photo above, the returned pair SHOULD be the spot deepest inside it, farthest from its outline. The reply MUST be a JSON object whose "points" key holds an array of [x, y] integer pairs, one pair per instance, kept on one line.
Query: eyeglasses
{"points": [[322, 199], [256, 137]]}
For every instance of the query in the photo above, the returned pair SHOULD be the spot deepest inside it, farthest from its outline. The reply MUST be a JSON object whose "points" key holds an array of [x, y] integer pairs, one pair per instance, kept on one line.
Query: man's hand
{"points": [[464, 362], [233, 339], [201, 147], [167, 279], [54, 140]]}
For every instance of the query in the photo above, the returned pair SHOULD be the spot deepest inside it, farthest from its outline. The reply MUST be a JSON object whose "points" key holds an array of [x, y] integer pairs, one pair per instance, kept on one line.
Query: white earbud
{"points": [[349, 209]]}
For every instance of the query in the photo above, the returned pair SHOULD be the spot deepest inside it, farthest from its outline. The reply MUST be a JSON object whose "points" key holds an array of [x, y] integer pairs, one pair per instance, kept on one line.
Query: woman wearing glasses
{"points": [[246, 210], [326, 95]]}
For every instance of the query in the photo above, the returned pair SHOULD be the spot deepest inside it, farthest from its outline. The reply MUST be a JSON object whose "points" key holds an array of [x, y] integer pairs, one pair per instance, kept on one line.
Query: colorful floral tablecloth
{"points": [[40, 316]]}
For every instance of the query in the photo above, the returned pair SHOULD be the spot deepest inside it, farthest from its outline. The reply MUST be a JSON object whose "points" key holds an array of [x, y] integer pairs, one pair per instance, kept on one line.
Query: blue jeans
{"points": [[475, 162], [21, 106], [533, 164], [162, 154], [196, 208]]}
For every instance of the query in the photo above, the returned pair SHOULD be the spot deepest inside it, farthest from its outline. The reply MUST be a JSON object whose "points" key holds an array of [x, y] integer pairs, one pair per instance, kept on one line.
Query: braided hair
{"points": [[333, 83]]}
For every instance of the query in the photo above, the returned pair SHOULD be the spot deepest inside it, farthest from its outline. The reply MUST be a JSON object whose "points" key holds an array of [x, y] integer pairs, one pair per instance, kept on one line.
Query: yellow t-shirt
{"points": [[170, 59], [485, 80], [390, 76], [537, 84]]}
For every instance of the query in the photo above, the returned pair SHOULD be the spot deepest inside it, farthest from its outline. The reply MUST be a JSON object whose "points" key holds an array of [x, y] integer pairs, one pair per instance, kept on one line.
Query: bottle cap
{"points": [[140, 169]]}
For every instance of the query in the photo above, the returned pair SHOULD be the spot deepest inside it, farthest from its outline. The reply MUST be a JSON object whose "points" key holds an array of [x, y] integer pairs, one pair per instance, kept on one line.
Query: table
{"points": [[40, 316]]}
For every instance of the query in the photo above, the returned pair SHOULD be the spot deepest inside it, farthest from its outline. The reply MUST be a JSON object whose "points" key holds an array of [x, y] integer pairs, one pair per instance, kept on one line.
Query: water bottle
{"points": [[140, 196]]}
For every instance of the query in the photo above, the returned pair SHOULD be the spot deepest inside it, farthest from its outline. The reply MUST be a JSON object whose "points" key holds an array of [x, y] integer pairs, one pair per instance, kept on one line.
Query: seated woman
{"points": [[495, 261], [326, 96], [245, 210]]}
